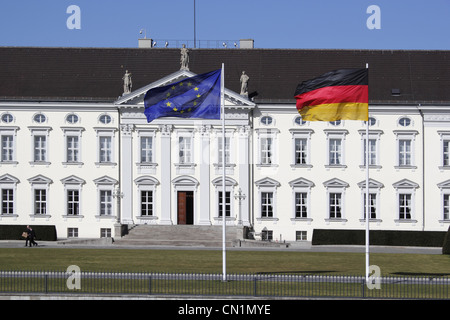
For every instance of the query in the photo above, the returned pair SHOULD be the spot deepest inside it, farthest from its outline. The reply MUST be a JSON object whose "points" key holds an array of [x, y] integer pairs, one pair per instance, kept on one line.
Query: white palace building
{"points": [[77, 152]]}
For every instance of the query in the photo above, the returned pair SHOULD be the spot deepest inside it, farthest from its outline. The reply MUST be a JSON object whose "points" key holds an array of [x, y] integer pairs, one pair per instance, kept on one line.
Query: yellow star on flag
{"points": [[168, 103]]}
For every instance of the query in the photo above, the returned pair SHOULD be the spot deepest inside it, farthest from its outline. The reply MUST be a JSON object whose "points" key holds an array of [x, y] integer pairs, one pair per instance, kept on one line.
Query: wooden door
{"points": [[181, 207], [185, 207]]}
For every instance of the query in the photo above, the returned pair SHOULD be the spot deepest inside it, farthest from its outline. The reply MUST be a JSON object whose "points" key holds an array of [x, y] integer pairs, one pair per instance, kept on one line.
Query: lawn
{"points": [[210, 261]]}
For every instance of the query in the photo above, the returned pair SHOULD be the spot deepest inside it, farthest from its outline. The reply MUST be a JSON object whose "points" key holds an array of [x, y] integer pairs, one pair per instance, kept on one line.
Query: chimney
{"points": [[145, 43], [246, 43]]}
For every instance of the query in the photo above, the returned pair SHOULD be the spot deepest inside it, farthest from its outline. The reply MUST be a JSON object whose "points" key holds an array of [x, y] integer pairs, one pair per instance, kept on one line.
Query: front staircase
{"points": [[180, 235]]}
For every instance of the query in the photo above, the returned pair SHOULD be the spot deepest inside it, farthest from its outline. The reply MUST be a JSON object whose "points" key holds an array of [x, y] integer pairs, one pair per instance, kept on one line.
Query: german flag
{"points": [[341, 94]]}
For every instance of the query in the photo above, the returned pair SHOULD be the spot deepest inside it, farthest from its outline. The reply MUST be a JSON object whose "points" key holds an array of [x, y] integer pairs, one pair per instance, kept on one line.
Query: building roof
{"points": [[95, 74]]}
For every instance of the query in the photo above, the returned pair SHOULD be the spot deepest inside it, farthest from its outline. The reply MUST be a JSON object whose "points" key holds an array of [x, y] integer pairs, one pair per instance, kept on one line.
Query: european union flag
{"points": [[194, 97]]}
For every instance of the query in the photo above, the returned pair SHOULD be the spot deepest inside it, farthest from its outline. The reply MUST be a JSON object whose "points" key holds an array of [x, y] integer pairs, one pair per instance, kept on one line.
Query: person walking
{"points": [[31, 235]]}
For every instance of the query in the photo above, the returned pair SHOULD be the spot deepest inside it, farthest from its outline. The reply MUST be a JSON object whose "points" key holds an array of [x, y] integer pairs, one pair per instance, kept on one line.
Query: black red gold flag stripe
{"points": [[341, 94]]}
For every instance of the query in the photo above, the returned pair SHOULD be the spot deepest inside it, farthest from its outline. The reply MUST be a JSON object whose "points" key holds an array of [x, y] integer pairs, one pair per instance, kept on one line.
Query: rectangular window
{"points": [[105, 149], [446, 207], [372, 205], [300, 151], [105, 232], [72, 232], [185, 150], [372, 152], [405, 206], [227, 203], [40, 201], [105, 202], [227, 150], [146, 203], [7, 148], [267, 204], [335, 205], [7, 201], [73, 149], [267, 235], [40, 148], [335, 151], [404, 152], [301, 205], [73, 202], [300, 235], [446, 153], [146, 149], [266, 150]]}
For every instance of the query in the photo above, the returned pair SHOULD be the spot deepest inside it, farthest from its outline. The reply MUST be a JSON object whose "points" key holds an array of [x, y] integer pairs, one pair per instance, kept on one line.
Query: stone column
{"points": [[126, 173], [166, 163]]}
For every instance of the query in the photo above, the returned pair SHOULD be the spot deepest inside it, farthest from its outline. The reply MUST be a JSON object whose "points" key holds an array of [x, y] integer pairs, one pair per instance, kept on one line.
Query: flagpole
{"points": [[222, 105], [367, 194]]}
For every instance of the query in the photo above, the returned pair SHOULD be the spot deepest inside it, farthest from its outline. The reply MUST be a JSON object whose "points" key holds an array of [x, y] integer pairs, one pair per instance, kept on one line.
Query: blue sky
{"points": [[334, 24]]}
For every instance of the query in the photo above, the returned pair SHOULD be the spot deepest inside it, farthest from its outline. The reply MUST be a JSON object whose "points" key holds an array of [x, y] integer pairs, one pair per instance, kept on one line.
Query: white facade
{"points": [[59, 166], [72, 164]]}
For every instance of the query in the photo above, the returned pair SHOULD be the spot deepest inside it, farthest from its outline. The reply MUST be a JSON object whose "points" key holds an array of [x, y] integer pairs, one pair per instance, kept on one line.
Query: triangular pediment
{"points": [[7, 178], [335, 183], [73, 180], [405, 184], [40, 179], [267, 182], [136, 98], [105, 180], [373, 184], [444, 185], [301, 183]]}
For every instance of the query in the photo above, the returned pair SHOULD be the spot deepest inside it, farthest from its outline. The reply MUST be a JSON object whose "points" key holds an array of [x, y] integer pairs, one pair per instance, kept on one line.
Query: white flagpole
{"points": [[367, 196], [222, 105]]}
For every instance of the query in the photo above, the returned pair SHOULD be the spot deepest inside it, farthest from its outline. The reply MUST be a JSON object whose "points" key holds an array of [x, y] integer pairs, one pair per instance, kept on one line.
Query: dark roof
{"points": [[35, 73]]}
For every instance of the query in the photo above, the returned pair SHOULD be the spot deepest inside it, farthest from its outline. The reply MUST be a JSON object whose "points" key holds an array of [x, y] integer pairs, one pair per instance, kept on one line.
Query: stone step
{"points": [[180, 235], [174, 243]]}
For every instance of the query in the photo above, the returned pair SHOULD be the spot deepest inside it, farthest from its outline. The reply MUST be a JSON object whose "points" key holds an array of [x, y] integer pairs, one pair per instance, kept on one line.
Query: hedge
{"points": [[379, 238], [446, 245], [14, 232]]}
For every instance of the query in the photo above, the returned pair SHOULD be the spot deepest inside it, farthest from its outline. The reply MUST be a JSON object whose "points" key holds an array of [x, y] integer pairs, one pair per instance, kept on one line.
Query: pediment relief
{"points": [[135, 99]]}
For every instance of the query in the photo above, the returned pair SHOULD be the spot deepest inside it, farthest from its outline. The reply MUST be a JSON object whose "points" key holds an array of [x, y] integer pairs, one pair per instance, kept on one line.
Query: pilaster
{"points": [[166, 162], [126, 173]]}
